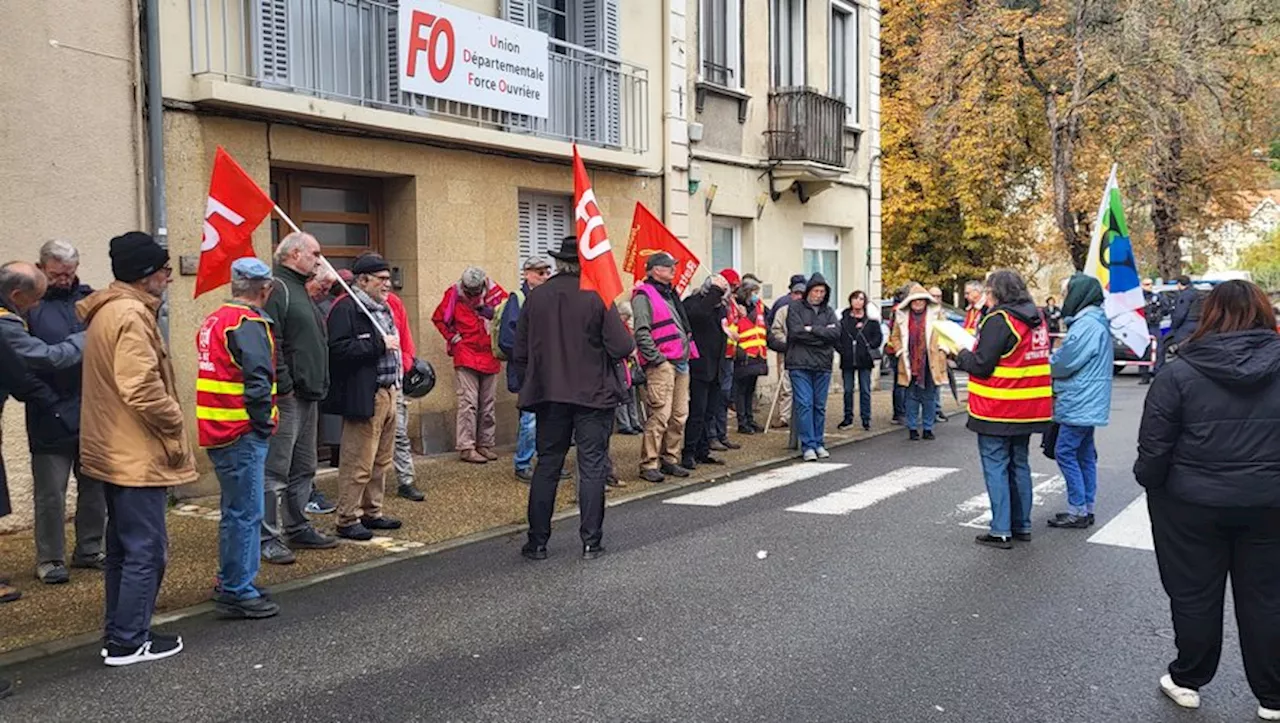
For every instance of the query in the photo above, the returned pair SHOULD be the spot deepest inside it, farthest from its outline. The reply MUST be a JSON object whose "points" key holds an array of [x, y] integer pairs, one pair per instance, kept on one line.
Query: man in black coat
{"points": [[704, 309], [53, 430], [571, 347], [813, 331], [1186, 311], [1153, 310], [365, 377]]}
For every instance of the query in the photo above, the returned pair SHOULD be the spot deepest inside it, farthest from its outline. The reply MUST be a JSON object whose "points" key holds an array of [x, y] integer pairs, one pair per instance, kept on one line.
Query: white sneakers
{"points": [[822, 453], [810, 455], [1188, 698], [1185, 697]]}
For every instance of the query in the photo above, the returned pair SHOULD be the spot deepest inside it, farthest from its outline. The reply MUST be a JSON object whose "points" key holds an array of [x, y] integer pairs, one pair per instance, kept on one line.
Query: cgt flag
{"points": [[236, 207], [595, 254], [1112, 263], [648, 237]]}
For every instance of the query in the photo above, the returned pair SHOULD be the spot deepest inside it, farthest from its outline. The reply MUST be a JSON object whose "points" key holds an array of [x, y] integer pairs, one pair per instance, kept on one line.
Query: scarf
{"points": [[389, 363], [916, 343]]}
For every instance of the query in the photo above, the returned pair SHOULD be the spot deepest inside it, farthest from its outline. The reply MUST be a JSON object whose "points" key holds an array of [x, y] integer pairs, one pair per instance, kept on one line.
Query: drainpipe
{"points": [[870, 168], [155, 139]]}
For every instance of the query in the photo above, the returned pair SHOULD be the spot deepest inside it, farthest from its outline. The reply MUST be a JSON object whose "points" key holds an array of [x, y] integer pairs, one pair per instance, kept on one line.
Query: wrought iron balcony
{"points": [[345, 50], [805, 125]]}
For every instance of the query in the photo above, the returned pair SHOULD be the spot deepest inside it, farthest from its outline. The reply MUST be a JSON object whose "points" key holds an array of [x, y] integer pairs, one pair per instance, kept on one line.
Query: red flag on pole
{"points": [[236, 207], [599, 270], [648, 237]]}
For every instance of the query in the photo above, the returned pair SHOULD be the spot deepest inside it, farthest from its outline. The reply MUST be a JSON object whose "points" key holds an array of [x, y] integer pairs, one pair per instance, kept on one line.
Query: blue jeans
{"points": [[526, 441], [1006, 468], [922, 405], [809, 394], [864, 393], [1078, 460], [240, 467]]}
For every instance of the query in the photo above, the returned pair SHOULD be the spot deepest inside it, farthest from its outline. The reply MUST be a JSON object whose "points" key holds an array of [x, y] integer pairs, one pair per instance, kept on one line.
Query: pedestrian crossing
{"points": [[1130, 528]]}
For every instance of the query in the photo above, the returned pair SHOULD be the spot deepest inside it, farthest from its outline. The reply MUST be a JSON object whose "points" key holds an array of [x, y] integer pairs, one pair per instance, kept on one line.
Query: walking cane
{"points": [[777, 392]]}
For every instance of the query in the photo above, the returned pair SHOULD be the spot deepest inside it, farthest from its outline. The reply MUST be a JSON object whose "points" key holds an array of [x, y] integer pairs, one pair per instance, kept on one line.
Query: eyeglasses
{"points": [[542, 271], [384, 279], [168, 270]]}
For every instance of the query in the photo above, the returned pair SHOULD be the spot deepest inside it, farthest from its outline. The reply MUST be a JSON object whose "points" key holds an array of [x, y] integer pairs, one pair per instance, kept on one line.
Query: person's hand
{"points": [[392, 341]]}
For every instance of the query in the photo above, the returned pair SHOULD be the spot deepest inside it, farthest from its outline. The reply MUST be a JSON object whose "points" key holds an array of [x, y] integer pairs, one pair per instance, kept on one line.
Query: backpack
{"points": [[495, 324]]}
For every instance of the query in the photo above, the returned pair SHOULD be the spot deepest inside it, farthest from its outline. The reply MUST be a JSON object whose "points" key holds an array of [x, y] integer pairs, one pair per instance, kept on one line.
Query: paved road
{"points": [[870, 605]]}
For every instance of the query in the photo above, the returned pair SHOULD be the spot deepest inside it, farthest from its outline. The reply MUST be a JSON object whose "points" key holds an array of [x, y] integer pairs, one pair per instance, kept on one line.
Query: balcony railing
{"points": [[345, 50], [805, 125]]}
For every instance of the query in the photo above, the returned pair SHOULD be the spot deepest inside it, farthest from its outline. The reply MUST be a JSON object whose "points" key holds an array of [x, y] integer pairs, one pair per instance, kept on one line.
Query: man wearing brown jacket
{"points": [[132, 438]]}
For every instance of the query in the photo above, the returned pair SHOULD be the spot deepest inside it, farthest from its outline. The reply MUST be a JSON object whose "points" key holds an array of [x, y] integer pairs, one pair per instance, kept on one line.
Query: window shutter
{"points": [[271, 40], [543, 221], [519, 12], [525, 233], [393, 52], [602, 111]]}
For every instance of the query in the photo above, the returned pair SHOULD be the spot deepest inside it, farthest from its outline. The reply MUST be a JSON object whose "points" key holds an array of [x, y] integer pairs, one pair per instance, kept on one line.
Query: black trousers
{"points": [[558, 426], [1196, 548], [704, 404], [744, 389]]}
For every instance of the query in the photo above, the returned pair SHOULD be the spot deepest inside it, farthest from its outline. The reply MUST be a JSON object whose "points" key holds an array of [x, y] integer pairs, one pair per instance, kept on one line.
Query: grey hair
{"points": [[15, 277], [568, 267], [624, 309], [248, 288], [474, 277], [973, 285], [291, 243], [710, 281], [59, 250], [1008, 287]]}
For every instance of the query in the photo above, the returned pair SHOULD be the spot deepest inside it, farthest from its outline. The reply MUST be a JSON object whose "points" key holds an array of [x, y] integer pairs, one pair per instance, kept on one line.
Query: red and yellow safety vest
{"points": [[752, 338], [1020, 389], [731, 316], [221, 416]]}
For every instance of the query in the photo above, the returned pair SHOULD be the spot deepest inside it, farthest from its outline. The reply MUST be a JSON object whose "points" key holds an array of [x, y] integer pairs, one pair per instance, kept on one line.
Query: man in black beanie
{"points": [[133, 438], [365, 378]]}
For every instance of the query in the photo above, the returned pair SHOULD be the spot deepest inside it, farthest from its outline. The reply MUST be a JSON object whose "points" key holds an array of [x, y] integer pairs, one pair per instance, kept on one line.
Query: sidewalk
{"points": [[462, 499]]}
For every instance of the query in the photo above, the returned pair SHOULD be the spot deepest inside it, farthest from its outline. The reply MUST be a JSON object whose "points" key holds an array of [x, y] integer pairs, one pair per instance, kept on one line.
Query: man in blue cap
{"points": [[236, 416]]}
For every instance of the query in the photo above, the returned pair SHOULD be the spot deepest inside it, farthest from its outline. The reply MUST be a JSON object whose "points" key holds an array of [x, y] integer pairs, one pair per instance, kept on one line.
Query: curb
{"points": [[62, 645]]}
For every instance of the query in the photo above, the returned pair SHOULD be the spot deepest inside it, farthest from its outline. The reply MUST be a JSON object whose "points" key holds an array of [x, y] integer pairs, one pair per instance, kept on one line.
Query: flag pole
{"points": [[285, 217]]}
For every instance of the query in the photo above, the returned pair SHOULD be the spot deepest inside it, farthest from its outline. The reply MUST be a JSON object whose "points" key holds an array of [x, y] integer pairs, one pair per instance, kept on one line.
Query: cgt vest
{"points": [[752, 338], [666, 334], [1020, 389], [221, 416], [731, 317]]}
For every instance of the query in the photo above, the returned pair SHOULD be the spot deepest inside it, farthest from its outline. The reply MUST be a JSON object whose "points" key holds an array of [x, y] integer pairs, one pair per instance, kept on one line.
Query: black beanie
{"points": [[136, 255], [369, 263]]}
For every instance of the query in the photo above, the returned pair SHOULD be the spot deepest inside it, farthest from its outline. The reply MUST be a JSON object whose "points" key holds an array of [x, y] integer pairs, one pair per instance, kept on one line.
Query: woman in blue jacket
{"points": [[1081, 370]]}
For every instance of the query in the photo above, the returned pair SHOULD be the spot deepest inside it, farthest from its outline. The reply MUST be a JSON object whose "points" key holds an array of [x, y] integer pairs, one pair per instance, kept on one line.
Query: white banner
{"points": [[455, 54]]}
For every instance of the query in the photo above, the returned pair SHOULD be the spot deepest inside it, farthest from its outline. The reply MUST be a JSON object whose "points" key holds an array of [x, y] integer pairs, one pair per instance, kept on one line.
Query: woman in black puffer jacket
{"points": [[1209, 457]]}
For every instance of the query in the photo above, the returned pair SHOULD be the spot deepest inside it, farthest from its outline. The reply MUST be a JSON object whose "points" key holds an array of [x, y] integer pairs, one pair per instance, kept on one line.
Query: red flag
{"points": [[648, 237], [236, 207], [595, 254]]}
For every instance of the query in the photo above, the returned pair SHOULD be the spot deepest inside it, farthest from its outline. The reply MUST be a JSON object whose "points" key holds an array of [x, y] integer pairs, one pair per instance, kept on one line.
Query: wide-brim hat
{"points": [[568, 250], [918, 292]]}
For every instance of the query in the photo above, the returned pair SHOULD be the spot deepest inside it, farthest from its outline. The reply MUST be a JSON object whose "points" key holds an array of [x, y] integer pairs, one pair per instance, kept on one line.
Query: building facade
{"points": [[761, 161]]}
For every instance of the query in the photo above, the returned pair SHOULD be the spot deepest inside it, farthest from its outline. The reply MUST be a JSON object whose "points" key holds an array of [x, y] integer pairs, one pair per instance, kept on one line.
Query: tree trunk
{"points": [[1166, 213], [1061, 156]]}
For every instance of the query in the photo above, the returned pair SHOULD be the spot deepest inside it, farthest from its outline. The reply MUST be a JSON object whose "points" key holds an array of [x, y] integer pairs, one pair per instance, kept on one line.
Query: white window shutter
{"points": [[543, 220], [602, 111], [519, 12], [271, 40], [525, 233], [393, 52]]}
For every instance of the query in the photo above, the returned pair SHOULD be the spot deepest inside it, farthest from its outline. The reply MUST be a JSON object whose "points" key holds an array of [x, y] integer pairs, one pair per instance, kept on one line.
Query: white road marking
{"points": [[1131, 528], [981, 503], [754, 485], [867, 493]]}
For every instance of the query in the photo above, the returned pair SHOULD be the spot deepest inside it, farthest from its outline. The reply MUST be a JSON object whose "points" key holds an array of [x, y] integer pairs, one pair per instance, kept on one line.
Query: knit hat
{"points": [[135, 255], [797, 282], [662, 258], [369, 263], [473, 278], [731, 276]]}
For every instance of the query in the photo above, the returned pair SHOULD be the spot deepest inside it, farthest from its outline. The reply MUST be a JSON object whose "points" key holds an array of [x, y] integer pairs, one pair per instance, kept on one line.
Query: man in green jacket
{"points": [[302, 381]]}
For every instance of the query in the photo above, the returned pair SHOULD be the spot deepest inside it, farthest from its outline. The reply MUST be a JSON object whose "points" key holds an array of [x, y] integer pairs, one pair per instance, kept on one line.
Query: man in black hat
{"points": [[365, 377], [665, 347], [133, 438], [570, 346]]}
